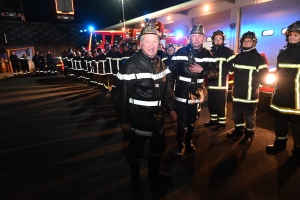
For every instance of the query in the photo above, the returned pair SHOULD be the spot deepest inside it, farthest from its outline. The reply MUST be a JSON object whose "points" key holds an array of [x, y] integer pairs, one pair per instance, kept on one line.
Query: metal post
{"points": [[123, 15]]}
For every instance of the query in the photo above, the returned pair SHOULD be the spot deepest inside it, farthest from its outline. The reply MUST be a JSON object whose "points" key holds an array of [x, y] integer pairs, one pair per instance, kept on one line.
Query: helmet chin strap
{"points": [[246, 49]]}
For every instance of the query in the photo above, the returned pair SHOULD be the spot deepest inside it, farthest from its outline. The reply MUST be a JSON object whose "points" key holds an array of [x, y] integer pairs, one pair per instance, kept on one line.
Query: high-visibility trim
{"points": [[285, 110], [213, 115], [164, 59], [230, 58], [245, 100], [144, 103], [231, 72], [188, 101], [213, 119], [180, 58], [286, 65], [240, 125], [143, 75], [205, 60], [142, 133], [124, 58], [281, 138], [244, 67], [250, 129], [217, 87], [190, 79], [222, 118], [221, 59], [221, 122], [264, 66]]}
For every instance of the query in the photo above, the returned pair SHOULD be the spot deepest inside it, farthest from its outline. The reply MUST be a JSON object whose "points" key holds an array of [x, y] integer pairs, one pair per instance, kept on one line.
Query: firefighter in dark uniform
{"points": [[25, 64], [35, 60], [108, 50], [42, 63], [250, 70], [286, 96], [126, 53], [170, 48], [142, 92], [49, 62], [218, 87], [15, 63], [189, 66]]}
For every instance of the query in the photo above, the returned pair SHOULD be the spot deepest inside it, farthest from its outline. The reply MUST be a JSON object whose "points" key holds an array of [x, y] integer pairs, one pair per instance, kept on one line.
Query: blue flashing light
{"points": [[91, 28], [178, 33], [81, 31]]}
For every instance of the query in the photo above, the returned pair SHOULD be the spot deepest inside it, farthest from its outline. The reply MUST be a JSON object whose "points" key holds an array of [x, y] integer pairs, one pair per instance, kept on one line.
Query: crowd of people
{"points": [[44, 65], [146, 82]]}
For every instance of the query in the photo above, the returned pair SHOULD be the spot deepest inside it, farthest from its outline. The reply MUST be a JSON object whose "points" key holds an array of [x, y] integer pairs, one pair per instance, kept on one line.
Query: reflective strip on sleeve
{"points": [[142, 133], [189, 79], [143, 75]]}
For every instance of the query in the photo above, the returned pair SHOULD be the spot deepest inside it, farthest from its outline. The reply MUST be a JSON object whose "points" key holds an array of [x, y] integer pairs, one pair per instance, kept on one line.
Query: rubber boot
{"points": [[237, 133], [248, 137], [295, 158], [276, 147], [189, 146], [136, 185]]}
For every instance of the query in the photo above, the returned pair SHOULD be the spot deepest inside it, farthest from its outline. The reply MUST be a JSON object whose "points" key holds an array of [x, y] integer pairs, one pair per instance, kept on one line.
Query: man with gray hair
{"points": [[142, 92]]}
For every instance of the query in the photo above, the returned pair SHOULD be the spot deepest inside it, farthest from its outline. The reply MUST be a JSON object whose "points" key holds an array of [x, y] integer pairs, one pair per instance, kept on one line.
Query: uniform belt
{"points": [[187, 100], [142, 133], [144, 103], [190, 79]]}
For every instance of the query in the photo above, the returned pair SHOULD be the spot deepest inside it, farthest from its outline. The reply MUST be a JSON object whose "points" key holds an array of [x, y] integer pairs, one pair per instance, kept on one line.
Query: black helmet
{"points": [[149, 29], [170, 45], [115, 45], [125, 44], [106, 44], [294, 27], [218, 32], [251, 35], [197, 29]]}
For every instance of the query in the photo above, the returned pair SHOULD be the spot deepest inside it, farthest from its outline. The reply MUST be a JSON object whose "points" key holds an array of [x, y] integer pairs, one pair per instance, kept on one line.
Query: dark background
{"points": [[100, 13]]}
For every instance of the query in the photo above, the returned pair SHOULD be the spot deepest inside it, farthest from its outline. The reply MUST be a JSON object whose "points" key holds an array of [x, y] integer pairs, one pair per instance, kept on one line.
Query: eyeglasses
{"points": [[248, 41]]}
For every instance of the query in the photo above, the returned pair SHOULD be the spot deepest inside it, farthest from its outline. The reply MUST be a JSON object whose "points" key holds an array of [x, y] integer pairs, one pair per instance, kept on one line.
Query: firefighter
{"points": [[25, 65], [250, 70], [170, 48], [108, 50], [49, 61], [286, 99], [142, 92], [189, 66], [101, 77], [218, 87], [35, 60], [15, 63], [42, 63], [126, 53]]}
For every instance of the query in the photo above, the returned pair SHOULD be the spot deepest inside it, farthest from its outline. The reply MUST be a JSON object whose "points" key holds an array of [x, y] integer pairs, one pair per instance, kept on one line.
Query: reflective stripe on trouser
{"points": [[281, 127], [247, 111], [156, 144], [217, 101]]}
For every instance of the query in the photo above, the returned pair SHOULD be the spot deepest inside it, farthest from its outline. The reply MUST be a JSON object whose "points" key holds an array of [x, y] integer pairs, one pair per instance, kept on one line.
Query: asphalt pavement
{"points": [[59, 139]]}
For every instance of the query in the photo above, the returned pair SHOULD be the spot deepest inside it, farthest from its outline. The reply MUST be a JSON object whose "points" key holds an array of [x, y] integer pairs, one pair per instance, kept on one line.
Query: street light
{"points": [[123, 15]]}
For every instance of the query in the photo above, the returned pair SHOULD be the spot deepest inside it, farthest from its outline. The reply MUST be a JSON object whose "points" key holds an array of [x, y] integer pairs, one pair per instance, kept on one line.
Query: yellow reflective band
{"points": [[250, 129], [249, 85], [297, 90], [230, 58], [245, 100], [286, 65], [217, 87], [262, 66], [221, 59], [143, 75], [240, 125], [213, 115], [163, 59], [245, 67], [222, 118], [285, 110]]}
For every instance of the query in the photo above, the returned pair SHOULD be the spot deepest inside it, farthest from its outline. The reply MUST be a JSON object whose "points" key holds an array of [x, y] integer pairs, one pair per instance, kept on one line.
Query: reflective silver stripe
{"points": [[144, 103], [281, 138], [244, 67], [250, 129], [180, 58], [142, 133], [190, 80], [188, 101], [123, 58], [217, 87], [163, 59], [205, 60], [239, 125], [143, 75]]}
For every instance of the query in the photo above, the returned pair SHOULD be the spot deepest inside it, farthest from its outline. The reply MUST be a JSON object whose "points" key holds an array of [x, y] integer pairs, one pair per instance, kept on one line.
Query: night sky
{"points": [[99, 13]]}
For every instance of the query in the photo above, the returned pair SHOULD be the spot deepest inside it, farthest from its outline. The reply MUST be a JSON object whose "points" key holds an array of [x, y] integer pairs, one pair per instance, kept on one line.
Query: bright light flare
{"points": [[178, 34], [206, 8], [91, 28], [271, 78]]}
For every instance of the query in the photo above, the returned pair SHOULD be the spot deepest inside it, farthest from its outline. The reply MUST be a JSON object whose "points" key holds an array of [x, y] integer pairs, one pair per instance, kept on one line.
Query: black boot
{"points": [[276, 147], [248, 137], [237, 133], [211, 123], [136, 185], [159, 183], [295, 158], [220, 127]]}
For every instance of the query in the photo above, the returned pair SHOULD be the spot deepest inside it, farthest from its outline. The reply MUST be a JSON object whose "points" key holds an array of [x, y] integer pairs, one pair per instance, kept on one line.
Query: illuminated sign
{"points": [[64, 7]]}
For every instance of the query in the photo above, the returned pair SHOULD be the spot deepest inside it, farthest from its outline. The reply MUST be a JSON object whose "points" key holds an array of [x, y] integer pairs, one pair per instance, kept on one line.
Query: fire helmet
{"points": [[170, 45], [218, 32], [294, 27], [149, 29], [251, 35], [197, 29]]}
